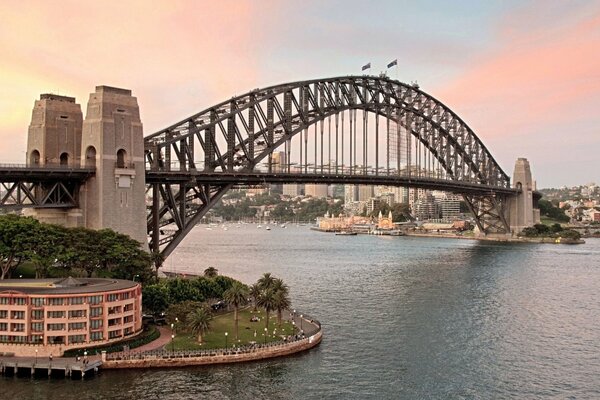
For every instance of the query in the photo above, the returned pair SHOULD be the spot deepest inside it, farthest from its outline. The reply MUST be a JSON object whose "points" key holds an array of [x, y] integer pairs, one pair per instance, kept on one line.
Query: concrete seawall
{"points": [[218, 356]]}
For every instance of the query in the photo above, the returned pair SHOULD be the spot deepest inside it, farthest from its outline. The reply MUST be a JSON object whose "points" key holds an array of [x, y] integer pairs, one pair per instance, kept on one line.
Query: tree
{"points": [[265, 281], [211, 272], [155, 299], [267, 301], [281, 302], [177, 313], [16, 236], [236, 295], [198, 322], [46, 246], [255, 293]]}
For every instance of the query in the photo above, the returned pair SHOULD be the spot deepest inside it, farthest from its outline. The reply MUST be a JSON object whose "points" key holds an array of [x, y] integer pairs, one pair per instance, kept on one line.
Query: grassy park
{"points": [[248, 331]]}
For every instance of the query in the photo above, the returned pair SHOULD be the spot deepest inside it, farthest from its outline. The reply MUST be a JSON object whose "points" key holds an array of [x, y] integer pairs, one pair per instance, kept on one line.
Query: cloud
{"points": [[539, 84], [176, 56]]}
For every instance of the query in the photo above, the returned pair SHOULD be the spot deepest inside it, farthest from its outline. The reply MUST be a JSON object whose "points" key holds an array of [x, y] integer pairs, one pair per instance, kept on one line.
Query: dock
{"points": [[56, 368]]}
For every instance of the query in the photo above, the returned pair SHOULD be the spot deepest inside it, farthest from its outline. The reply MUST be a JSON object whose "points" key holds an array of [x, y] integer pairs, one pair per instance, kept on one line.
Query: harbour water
{"points": [[403, 317]]}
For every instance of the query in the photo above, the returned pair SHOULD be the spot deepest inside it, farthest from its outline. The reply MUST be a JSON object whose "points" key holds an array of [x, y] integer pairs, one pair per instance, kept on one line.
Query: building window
{"points": [[112, 297], [96, 323], [76, 326], [95, 299], [20, 301], [37, 314], [114, 334], [77, 314], [94, 336], [114, 321], [128, 307], [56, 301], [3, 314], [17, 327], [56, 327], [96, 312], [17, 315], [3, 326], [37, 327], [77, 339], [37, 338], [114, 310], [4, 300], [37, 301], [56, 314], [77, 300]]}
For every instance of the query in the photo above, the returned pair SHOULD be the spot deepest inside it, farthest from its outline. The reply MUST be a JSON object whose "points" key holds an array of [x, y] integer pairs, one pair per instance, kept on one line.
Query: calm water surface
{"points": [[403, 318]]}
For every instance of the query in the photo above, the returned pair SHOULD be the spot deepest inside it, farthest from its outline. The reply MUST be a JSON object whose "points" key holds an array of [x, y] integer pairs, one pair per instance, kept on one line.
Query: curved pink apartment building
{"points": [[48, 316]]}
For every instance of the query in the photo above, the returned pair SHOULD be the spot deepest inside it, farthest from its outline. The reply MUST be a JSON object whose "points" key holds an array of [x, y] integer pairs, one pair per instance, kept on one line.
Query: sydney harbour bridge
{"points": [[359, 130]]}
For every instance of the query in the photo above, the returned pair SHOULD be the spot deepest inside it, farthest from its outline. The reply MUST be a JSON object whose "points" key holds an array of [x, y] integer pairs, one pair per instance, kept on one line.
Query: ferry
{"points": [[346, 233]]}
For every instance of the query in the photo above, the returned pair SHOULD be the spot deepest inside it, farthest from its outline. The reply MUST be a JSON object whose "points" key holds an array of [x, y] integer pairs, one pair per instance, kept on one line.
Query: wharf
{"points": [[57, 368]]}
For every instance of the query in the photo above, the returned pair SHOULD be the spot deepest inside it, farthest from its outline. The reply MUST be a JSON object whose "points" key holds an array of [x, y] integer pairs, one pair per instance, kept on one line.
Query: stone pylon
{"points": [[113, 142], [522, 208]]}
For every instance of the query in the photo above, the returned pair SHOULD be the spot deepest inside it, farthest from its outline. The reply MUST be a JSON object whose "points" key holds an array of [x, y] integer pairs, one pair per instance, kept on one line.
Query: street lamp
{"points": [[136, 276], [226, 339], [85, 357], [301, 322], [172, 342], [266, 331], [36, 351]]}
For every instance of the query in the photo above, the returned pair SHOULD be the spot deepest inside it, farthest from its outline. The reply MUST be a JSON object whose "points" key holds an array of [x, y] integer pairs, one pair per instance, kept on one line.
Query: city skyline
{"points": [[524, 76]]}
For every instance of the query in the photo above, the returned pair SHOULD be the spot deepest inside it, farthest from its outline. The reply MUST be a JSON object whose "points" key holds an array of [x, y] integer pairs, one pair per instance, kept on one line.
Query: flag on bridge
{"points": [[395, 62], [366, 66]]}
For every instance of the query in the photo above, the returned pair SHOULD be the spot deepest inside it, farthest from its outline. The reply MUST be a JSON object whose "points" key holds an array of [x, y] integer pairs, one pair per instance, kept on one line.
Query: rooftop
{"points": [[64, 285]]}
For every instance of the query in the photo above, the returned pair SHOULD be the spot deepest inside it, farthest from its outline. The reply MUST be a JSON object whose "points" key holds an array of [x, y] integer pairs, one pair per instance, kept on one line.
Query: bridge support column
{"points": [[112, 142], [523, 210]]}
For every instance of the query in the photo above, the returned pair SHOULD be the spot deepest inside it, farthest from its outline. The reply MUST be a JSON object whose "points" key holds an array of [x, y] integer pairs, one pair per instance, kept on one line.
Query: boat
{"points": [[258, 227], [283, 225], [346, 233], [268, 228]]}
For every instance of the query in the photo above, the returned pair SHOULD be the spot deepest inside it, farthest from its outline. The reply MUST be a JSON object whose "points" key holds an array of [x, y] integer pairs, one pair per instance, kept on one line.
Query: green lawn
{"points": [[220, 324], [549, 221]]}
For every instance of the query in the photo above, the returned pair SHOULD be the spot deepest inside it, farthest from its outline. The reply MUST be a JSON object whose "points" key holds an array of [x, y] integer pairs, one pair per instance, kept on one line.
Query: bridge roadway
{"points": [[256, 178], [44, 173]]}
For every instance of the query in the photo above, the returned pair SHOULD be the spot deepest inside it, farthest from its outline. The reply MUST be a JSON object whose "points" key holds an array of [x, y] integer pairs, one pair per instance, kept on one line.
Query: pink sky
{"points": [[526, 78]]}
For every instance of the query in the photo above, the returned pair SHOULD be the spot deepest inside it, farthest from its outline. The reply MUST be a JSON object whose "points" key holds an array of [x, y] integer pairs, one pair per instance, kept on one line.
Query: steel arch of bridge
{"points": [[191, 164]]}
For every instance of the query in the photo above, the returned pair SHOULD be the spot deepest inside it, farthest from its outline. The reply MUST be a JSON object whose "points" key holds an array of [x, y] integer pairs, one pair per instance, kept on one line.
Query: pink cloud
{"points": [[533, 80]]}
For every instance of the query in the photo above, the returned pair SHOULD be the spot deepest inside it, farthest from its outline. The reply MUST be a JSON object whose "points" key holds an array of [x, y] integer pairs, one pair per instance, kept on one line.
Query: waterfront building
{"points": [[49, 316], [372, 204], [425, 208], [448, 205]]}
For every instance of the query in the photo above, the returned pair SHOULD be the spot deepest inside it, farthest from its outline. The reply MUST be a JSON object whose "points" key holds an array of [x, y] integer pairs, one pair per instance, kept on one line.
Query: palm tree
{"points": [[254, 292], [267, 301], [236, 295], [279, 285], [211, 272], [199, 322], [281, 301], [265, 281]]}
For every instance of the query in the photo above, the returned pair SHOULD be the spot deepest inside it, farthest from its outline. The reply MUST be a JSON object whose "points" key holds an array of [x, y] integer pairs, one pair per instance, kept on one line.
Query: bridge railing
{"points": [[48, 166]]}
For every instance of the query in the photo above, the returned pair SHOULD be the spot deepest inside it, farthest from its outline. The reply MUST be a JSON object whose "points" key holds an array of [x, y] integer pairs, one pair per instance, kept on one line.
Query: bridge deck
{"points": [[254, 178], [18, 172]]}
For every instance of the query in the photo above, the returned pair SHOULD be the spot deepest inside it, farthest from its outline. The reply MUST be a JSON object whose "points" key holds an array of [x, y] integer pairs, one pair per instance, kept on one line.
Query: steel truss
{"points": [[317, 126], [40, 195], [489, 212]]}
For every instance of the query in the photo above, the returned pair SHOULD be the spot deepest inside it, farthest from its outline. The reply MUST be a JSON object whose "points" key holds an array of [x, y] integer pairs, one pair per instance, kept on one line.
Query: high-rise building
{"points": [[448, 204], [350, 193], [315, 190], [365, 192]]}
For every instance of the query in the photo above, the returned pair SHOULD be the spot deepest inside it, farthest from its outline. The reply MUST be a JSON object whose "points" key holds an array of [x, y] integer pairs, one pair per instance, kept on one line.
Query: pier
{"points": [[56, 368]]}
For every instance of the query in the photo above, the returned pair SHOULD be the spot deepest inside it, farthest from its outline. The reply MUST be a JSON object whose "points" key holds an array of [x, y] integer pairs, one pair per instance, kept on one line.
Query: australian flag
{"points": [[395, 62], [366, 66]]}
